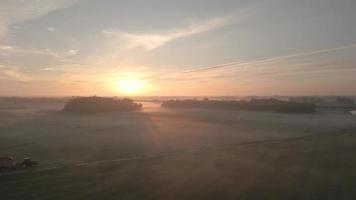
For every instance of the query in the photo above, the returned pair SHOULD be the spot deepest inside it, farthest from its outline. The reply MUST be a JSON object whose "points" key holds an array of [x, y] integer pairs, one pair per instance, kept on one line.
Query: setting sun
{"points": [[130, 86]]}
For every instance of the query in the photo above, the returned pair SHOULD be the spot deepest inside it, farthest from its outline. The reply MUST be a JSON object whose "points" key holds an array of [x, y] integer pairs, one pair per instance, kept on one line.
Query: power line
{"points": [[241, 64]]}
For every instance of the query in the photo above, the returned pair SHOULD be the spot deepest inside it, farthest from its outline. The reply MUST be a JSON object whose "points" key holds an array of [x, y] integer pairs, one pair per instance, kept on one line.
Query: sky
{"points": [[177, 48]]}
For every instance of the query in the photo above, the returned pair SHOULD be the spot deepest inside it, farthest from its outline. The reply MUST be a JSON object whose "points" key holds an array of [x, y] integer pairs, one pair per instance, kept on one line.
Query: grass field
{"points": [[178, 154]]}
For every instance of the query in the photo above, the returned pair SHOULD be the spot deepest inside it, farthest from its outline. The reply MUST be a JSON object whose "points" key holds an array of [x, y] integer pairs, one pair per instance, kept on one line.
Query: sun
{"points": [[130, 86]]}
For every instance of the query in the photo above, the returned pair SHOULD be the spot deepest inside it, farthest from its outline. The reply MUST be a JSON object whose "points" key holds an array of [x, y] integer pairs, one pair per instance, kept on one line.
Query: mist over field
{"points": [[162, 153]]}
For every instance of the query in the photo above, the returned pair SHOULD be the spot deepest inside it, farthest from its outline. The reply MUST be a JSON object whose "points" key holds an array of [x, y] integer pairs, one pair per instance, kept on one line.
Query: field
{"points": [[178, 154]]}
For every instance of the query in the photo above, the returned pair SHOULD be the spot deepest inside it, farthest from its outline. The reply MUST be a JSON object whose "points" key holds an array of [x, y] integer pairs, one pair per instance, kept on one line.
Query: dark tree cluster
{"points": [[271, 105], [312, 100], [100, 104]]}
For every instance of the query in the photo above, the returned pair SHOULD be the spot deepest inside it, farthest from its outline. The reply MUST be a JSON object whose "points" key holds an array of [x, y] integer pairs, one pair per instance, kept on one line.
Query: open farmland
{"points": [[178, 154]]}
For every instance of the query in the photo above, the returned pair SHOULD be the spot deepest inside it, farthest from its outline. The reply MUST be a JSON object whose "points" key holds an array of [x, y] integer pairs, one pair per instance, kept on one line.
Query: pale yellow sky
{"points": [[163, 48]]}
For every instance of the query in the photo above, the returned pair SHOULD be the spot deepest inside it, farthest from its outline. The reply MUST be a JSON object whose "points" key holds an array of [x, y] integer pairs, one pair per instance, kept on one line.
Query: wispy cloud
{"points": [[51, 29], [155, 40], [6, 47], [72, 52], [17, 11], [13, 73], [15, 51], [49, 68]]}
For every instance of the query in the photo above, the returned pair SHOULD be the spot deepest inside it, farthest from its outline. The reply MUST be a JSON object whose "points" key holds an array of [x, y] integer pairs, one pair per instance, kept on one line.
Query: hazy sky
{"points": [[181, 47]]}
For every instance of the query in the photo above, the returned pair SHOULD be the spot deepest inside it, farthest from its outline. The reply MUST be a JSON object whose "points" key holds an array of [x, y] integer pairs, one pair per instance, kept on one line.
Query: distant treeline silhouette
{"points": [[273, 105], [100, 104], [326, 101]]}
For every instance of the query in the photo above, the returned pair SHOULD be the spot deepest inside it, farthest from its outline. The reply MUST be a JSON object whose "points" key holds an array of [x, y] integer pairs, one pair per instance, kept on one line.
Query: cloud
{"points": [[72, 52], [13, 73], [14, 51], [17, 11], [18, 51], [51, 29], [49, 68], [6, 47], [152, 41]]}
